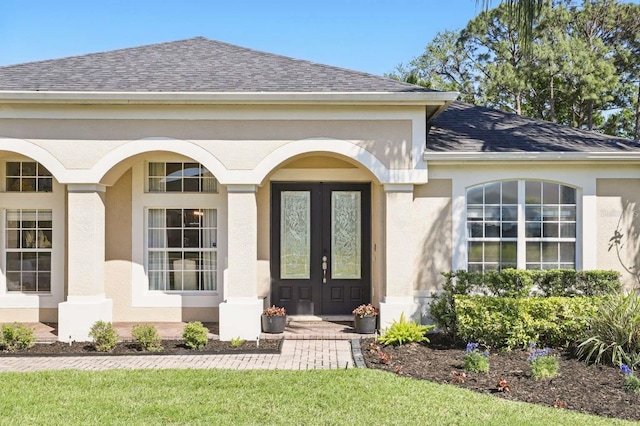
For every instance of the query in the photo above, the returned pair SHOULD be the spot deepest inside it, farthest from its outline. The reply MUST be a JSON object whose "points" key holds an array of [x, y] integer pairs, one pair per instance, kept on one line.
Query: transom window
{"points": [[521, 224], [182, 249], [180, 177], [28, 249], [27, 176]]}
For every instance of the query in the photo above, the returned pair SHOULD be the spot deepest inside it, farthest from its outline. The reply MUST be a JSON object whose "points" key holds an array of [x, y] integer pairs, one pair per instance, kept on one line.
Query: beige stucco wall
{"points": [[619, 210], [251, 140], [8, 315], [432, 225]]}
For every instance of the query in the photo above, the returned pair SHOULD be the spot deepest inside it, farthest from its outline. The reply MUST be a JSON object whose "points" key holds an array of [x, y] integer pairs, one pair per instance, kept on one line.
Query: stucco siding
{"points": [[433, 229], [8, 315], [238, 144], [619, 214]]}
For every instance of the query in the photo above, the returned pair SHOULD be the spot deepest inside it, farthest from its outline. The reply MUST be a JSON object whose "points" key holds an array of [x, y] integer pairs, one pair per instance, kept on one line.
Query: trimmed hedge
{"points": [[517, 283], [505, 322]]}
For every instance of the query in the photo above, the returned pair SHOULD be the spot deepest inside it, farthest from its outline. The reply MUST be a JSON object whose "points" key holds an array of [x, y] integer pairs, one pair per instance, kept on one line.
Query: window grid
{"points": [[180, 177], [28, 245], [27, 176], [541, 216], [182, 249]]}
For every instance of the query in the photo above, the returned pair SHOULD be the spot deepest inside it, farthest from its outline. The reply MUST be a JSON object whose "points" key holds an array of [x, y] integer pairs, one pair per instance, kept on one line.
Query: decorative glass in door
{"points": [[346, 237], [295, 235]]}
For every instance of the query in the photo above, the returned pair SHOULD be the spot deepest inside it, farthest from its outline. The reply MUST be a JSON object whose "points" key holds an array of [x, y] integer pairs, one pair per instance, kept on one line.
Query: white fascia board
{"points": [[195, 98], [539, 157]]}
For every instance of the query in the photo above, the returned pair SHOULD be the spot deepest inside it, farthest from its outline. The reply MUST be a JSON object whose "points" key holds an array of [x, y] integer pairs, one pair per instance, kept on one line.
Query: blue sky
{"points": [[366, 35]]}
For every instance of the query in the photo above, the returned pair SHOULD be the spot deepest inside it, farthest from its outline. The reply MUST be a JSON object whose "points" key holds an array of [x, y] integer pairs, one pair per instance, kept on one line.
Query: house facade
{"points": [[196, 180]]}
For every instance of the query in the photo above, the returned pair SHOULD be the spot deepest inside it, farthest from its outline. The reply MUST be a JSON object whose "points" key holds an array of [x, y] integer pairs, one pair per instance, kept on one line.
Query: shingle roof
{"points": [[192, 65], [468, 128]]}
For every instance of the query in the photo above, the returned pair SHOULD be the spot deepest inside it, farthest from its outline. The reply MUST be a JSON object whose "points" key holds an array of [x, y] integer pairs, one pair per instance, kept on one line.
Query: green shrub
{"points": [[505, 322], [195, 335], [567, 282], [16, 336], [614, 333], [404, 331], [147, 337], [474, 360], [543, 364], [517, 284], [104, 336]]}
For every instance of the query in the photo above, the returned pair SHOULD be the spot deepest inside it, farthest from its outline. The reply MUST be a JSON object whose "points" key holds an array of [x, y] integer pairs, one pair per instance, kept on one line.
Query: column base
{"points": [[240, 317], [77, 315], [393, 307]]}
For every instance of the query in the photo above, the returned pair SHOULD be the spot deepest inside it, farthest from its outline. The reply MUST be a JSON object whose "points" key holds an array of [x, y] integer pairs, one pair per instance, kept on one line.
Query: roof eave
{"points": [[455, 158], [440, 99]]}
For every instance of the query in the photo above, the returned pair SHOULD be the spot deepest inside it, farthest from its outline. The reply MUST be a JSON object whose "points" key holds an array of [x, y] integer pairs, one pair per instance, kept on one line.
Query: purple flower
{"points": [[471, 347], [625, 369]]}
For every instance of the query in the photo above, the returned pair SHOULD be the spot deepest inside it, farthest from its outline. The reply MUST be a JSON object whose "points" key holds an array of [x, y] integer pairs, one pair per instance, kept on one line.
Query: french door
{"points": [[320, 247]]}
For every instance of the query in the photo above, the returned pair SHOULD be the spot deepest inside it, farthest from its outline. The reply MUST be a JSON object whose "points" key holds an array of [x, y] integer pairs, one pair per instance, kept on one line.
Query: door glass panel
{"points": [[346, 225], [295, 235]]}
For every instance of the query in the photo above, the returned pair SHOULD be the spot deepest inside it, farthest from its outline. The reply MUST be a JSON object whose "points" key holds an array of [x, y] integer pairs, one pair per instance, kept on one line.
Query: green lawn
{"points": [[340, 397]]}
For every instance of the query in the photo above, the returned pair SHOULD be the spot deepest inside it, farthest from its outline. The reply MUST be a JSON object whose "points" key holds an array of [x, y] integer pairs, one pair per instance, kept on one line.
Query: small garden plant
{"points": [[236, 342], [365, 311], [16, 336], [147, 337], [543, 364], [274, 311], [104, 336], [195, 335], [474, 360], [403, 331], [631, 382]]}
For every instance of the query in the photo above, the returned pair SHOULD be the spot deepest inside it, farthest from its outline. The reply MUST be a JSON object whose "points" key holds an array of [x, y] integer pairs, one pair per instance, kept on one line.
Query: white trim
{"points": [[444, 158], [398, 187], [289, 98]]}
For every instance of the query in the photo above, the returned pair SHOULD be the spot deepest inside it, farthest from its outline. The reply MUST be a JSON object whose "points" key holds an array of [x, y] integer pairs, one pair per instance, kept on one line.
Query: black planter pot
{"points": [[274, 324], [365, 325]]}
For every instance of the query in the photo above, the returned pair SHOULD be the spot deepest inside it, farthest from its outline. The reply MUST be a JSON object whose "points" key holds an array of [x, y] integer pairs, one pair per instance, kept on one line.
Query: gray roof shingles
{"points": [[202, 65], [468, 128], [193, 65]]}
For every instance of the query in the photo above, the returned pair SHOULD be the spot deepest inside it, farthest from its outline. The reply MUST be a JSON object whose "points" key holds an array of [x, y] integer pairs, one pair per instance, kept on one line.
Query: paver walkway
{"points": [[296, 355]]}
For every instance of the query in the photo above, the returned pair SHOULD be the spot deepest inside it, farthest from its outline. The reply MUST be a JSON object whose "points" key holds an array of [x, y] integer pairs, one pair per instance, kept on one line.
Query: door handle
{"points": [[324, 269]]}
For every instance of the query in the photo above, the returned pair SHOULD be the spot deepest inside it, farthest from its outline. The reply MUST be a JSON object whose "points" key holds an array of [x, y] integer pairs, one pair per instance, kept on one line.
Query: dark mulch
{"points": [[593, 389], [171, 347]]}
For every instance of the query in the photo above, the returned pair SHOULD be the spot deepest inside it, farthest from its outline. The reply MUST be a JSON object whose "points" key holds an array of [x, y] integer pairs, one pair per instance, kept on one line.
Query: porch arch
{"points": [[343, 148], [37, 153], [106, 170]]}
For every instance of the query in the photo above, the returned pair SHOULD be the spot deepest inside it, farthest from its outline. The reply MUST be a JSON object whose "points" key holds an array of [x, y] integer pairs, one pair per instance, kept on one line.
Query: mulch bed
{"points": [[593, 389], [171, 347]]}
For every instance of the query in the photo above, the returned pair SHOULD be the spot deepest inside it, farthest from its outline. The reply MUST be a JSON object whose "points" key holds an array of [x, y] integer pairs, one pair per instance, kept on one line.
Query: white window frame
{"points": [[142, 200], [54, 201], [521, 239]]}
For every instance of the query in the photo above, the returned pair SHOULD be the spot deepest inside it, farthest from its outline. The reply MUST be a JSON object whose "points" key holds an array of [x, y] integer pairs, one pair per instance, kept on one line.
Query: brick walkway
{"points": [[296, 355]]}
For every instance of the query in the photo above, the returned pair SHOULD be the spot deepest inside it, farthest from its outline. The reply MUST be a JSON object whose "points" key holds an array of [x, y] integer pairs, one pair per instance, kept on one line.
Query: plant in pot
{"points": [[274, 320], [365, 318]]}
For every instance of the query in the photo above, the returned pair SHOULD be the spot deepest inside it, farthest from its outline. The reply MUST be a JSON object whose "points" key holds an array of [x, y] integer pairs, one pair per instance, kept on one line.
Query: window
{"points": [[28, 250], [180, 177], [27, 176], [510, 217], [182, 245]]}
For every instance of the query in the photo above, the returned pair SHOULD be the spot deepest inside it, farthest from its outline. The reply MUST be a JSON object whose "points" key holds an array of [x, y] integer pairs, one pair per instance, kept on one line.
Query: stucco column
{"points": [[399, 254], [86, 302], [240, 312]]}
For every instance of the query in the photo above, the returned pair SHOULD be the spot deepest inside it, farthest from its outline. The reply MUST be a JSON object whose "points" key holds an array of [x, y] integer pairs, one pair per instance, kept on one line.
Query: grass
{"points": [[336, 397]]}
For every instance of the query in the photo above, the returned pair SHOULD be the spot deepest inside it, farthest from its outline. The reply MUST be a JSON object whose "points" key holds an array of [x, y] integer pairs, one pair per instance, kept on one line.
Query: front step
{"points": [[305, 327]]}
